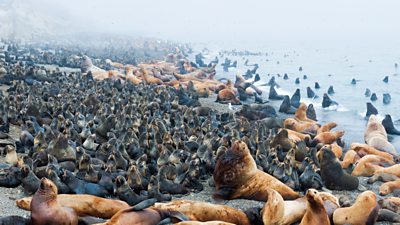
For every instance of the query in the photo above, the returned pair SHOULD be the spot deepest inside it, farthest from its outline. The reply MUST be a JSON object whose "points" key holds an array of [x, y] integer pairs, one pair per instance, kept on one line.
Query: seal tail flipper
{"points": [[165, 221], [143, 204]]}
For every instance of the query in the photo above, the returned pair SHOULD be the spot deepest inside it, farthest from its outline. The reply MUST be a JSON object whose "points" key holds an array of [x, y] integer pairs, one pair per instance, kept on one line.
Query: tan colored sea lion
{"points": [[375, 135], [301, 114], [363, 211], [395, 170], [204, 211], [364, 166], [364, 149], [302, 127], [297, 137], [326, 127], [388, 187], [327, 137], [316, 213], [83, 205], [276, 211], [236, 176], [11, 155], [46, 210], [349, 158], [391, 203], [227, 95]]}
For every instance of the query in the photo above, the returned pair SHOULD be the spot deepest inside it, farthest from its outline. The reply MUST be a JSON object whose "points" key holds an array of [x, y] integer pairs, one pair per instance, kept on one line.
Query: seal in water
{"points": [[330, 90], [373, 97], [273, 95], [45, 208], [386, 79], [371, 110], [332, 173], [387, 123], [297, 81], [386, 98], [311, 112], [367, 92], [326, 101], [363, 211], [316, 85], [353, 81], [295, 99], [236, 176], [311, 93]]}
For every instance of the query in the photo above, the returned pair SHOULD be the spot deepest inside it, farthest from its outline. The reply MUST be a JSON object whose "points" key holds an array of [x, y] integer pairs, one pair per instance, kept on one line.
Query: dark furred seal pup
{"points": [[46, 210], [332, 173]]}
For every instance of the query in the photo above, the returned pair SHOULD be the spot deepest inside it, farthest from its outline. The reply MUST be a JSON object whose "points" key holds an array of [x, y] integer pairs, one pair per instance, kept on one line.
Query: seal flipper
{"points": [[165, 221], [144, 204]]}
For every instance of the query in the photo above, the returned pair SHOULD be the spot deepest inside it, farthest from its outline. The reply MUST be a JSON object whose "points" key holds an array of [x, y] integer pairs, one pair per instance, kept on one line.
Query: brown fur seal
{"points": [[301, 114], [204, 211], [84, 205], [327, 137], [277, 211], [332, 173], [363, 211], [364, 149], [364, 166], [375, 135], [326, 127], [45, 208], [389, 187], [303, 127], [316, 213], [236, 176]]}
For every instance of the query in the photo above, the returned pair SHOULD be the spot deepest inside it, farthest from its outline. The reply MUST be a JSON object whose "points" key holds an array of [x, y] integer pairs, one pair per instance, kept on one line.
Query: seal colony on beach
{"points": [[119, 142]]}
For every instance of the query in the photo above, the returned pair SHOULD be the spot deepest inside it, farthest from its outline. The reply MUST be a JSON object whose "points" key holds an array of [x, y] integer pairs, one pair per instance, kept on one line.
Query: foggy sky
{"points": [[220, 20]]}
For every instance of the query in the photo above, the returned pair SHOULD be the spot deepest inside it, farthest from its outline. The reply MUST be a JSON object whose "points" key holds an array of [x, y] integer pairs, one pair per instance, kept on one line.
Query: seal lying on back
{"points": [[236, 176], [46, 210]]}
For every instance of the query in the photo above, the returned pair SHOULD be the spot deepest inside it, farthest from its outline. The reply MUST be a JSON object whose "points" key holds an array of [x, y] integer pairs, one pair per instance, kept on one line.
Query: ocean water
{"points": [[329, 65]]}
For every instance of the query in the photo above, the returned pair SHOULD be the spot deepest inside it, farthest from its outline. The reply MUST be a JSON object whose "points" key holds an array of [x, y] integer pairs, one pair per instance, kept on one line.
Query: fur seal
{"points": [[273, 95], [286, 107], [316, 85], [330, 90], [353, 81], [297, 81], [79, 186], [311, 93], [204, 211], [45, 208], [375, 135], [388, 216], [371, 110], [363, 211], [332, 173], [387, 123], [295, 99], [386, 79], [315, 213], [204, 223], [236, 176], [311, 112]]}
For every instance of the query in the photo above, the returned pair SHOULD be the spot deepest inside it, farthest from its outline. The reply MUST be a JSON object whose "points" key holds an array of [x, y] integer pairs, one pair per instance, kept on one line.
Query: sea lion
{"points": [[395, 169], [311, 112], [311, 93], [227, 95], [363, 211], [301, 114], [297, 136], [353, 81], [327, 137], [295, 99], [383, 177], [330, 90], [375, 135], [140, 214], [373, 97], [286, 107], [326, 101], [297, 81], [391, 203], [204, 223], [317, 86], [386, 98], [367, 92], [45, 208], [303, 127], [11, 155], [387, 123], [386, 79], [315, 213], [389, 187], [326, 127], [364, 149], [273, 95], [204, 211], [386, 215], [236, 176], [349, 158], [332, 173], [371, 110], [277, 211], [364, 166]]}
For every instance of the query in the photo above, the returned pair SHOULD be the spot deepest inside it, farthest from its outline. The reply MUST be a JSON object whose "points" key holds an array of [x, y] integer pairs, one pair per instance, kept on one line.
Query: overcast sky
{"points": [[246, 20]]}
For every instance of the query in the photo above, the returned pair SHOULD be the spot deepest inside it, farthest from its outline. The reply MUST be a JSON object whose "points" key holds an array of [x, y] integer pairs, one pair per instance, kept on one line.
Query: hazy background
{"points": [[217, 21]]}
